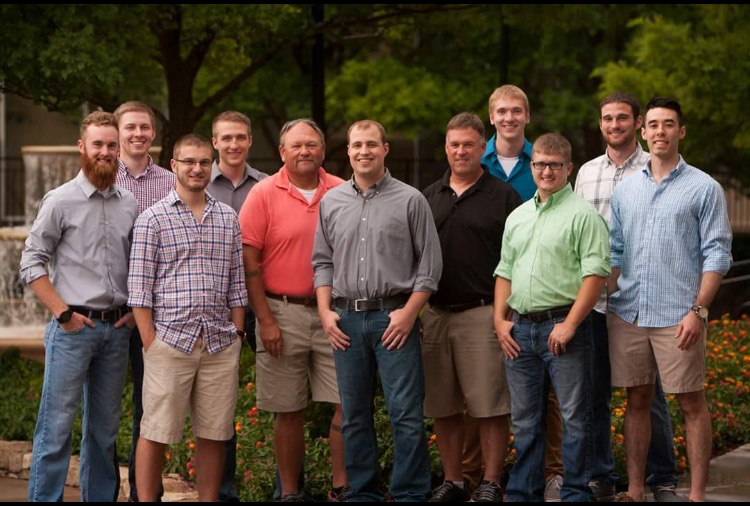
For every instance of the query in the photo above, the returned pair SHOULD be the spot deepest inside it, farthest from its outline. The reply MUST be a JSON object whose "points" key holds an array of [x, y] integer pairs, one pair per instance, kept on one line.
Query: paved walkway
{"points": [[728, 481]]}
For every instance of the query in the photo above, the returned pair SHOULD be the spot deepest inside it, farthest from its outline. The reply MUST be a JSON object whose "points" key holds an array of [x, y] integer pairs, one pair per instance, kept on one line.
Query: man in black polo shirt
{"points": [[463, 361]]}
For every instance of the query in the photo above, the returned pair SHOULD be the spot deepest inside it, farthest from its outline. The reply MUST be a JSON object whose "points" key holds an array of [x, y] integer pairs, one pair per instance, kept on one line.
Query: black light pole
{"points": [[318, 71]]}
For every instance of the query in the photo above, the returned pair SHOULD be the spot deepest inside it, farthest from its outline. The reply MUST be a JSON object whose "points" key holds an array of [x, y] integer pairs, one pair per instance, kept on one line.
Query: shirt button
{"points": [[362, 259], [363, 239], [361, 279]]}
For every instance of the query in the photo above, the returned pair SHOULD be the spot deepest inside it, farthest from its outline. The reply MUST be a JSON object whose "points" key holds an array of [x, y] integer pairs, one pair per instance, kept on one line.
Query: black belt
{"points": [[302, 301], [106, 315], [370, 304], [543, 316], [457, 308]]}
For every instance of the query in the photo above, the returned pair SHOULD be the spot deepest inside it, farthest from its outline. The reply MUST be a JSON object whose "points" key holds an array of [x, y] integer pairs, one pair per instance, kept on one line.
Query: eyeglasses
{"points": [[190, 162], [551, 165]]}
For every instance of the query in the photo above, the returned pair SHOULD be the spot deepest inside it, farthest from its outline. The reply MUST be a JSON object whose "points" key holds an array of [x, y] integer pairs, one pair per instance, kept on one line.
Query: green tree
{"points": [[702, 61]]}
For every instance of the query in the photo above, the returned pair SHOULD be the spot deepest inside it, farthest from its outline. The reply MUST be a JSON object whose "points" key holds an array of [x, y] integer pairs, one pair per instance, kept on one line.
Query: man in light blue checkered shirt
{"points": [[671, 246]]}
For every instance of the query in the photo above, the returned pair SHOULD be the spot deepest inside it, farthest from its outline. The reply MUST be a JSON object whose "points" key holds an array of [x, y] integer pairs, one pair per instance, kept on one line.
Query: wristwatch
{"points": [[242, 334], [701, 311], [65, 316]]}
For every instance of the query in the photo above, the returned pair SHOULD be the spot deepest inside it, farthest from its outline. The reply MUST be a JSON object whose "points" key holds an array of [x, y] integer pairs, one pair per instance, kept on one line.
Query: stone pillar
{"points": [[46, 168]]}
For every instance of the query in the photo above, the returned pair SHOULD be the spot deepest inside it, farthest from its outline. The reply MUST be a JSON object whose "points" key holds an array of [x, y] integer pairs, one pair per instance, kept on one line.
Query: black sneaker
{"points": [[487, 491], [339, 494], [449, 492], [603, 491]]}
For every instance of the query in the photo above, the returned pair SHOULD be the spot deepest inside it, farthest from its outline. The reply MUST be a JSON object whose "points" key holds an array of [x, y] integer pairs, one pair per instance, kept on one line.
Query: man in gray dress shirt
{"points": [[377, 257], [232, 178], [82, 233]]}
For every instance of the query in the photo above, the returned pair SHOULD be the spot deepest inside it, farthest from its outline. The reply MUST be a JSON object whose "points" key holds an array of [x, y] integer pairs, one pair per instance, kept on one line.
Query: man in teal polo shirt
{"points": [[508, 153], [554, 263]]}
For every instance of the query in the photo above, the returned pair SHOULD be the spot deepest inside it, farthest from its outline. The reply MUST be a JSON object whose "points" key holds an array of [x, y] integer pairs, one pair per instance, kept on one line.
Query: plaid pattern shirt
{"points": [[189, 273], [150, 187], [596, 181]]}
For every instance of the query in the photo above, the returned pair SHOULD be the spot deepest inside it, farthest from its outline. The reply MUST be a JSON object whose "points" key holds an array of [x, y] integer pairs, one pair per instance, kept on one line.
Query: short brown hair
{"points": [[191, 140], [365, 124], [98, 118], [135, 106], [553, 144], [466, 120], [234, 117], [623, 98]]}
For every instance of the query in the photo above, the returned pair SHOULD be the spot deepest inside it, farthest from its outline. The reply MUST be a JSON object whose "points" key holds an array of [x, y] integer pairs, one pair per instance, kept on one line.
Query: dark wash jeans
{"points": [[529, 376], [402, 378]]}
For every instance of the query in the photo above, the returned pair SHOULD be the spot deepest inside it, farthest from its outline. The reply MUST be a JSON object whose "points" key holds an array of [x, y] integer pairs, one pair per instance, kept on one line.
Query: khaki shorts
{"points": [[282, 382], [638, 354], [463, 364], [174, 381]]}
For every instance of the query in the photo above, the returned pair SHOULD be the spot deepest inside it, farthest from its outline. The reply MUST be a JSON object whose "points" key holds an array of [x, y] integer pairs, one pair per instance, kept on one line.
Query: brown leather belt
{"points": [[457, 308], [302, 301], [543, 316]]}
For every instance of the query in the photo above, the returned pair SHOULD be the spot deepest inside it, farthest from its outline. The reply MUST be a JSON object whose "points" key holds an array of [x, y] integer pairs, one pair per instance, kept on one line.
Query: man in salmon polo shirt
{"points": [[278, 222]]}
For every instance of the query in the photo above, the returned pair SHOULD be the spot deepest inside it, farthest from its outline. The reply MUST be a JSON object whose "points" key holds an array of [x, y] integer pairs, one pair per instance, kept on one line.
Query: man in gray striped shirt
{"points": [[377, 254]]}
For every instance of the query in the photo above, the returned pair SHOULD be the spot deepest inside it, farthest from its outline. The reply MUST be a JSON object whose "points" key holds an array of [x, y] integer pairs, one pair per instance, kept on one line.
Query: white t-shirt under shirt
{"points": [[308, 194], [507, 163]]}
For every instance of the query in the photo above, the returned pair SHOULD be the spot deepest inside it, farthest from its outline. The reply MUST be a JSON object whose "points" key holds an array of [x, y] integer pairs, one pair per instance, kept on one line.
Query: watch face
{"points": [[703, 312]]}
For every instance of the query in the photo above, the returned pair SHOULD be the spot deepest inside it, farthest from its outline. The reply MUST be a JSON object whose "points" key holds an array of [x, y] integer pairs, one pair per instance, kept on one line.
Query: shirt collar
{"points": [[631, 159], [553, 199], [123, 168], [173, 198], [479, 184], [89, 189], [678, 169], [379, 185]]}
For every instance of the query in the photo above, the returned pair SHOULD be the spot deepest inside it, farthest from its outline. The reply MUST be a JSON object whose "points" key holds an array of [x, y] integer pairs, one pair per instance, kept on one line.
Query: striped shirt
{"points": [[664, 237], [595, 182], [150, 187], [190, 273]]}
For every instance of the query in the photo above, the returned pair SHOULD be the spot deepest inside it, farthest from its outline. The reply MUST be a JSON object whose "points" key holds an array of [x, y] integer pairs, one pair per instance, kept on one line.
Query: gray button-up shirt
{"points": [[223, 190], [378, 244], [84, 235]]}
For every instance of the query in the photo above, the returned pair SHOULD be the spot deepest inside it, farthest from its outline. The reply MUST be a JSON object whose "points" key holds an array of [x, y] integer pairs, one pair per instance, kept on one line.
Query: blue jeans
{"points": [[660, 462], [92, 363], [528, 379], [402, 377]]}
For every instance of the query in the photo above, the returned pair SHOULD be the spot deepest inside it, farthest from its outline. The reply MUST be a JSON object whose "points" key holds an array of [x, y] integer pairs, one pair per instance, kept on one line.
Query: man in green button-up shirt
{"points": [[555, 261]]}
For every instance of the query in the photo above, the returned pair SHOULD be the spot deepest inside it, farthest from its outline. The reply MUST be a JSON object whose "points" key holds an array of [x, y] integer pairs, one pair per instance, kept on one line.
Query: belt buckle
{"points": [[356, 304], [105, 315]]}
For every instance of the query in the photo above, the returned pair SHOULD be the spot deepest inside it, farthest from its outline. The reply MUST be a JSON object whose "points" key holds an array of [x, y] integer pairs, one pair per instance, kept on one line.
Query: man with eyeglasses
{"points": [[278, 221], [232, 178], [188, 297], [137, 173], [596, 180], [554, 263]]}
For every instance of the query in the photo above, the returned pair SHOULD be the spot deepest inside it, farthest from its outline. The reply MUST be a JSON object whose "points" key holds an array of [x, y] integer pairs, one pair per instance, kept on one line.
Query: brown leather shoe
{"points": [[624, 497]]}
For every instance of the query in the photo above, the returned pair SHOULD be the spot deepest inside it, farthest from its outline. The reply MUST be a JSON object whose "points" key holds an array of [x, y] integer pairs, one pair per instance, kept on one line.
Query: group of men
{"points": [[532, 307]]}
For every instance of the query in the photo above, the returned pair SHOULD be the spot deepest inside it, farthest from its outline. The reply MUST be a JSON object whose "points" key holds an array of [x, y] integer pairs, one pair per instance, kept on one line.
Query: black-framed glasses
{"points": [[190, 162], [551, 165]]}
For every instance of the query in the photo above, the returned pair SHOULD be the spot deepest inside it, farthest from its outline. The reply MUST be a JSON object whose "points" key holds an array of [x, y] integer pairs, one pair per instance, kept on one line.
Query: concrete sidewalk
{"points": [[728, 480]]}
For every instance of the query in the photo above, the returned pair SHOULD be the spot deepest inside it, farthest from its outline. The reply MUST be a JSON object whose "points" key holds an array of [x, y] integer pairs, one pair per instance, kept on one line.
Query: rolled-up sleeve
{"points": [[322, 256], [593, 245], [143, 262], [426, 246], [616, 242], [42, 241], [237, 296], [715, 232]]}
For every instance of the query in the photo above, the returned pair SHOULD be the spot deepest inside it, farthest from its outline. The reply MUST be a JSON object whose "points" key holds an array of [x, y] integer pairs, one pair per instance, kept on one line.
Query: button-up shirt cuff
{"points": [[323, 277], [32, 274], [503, 271], [719, 265], [140, 299], [594, 267], [425, 284], [237, 298]]}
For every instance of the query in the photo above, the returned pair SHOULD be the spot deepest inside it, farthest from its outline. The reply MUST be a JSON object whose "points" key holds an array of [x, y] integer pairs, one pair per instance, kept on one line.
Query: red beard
{"points": [[101, 173]]}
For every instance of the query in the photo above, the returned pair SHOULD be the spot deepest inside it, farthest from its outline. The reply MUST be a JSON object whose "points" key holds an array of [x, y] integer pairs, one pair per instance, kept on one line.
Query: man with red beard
{"points": [[188, 295], [82, 233]]}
